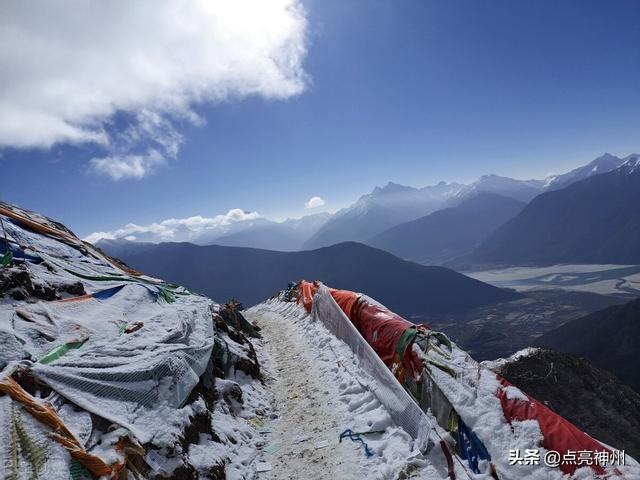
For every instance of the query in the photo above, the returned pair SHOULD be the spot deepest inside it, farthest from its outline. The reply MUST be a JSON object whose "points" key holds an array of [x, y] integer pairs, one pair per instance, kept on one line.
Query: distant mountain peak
{"points": [[492, 177], [391, 187], [312, 216], [605, 156], [450, 232], [522, 190], [381, 209], [602, 164], [631, 163], [592, 219]]}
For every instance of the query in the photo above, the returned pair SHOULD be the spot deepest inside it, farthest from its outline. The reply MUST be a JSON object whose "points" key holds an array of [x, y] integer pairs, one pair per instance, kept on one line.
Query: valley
{"points": [[501, 329], [618, 280], [553, 296]]}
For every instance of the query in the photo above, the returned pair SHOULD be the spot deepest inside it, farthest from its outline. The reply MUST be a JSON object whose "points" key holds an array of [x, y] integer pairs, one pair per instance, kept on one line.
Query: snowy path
{"points": [[305, 407], [315, 396]]}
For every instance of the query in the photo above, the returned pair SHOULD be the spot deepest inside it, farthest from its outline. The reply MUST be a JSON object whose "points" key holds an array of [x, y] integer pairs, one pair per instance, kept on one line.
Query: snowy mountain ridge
{"points": [[522, 190], [631, 163], [395, 204], [371, 214], [602, 164]]}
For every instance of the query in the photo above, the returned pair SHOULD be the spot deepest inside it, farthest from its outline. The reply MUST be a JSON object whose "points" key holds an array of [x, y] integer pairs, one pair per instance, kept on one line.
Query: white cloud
{"points": [[119, 167], [95, 236], [68, 68], [180, 229], [314, 202]]}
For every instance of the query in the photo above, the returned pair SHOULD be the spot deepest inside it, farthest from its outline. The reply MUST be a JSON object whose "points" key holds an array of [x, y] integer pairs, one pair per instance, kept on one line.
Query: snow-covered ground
{"points": [[130, 368], [129, 349], [602, 279], [313, 380]]}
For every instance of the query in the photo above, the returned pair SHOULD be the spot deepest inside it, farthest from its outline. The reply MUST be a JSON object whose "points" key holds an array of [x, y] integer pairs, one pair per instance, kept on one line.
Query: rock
{"points": [[591, 398]]}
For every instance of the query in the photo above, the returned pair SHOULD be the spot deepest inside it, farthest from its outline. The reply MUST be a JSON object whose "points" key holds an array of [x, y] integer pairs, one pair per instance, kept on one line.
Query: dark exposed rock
{"points": [[224, 360], [17, 283], [591, 398], [29, 383], [75, 288], [211, 388], [230, 313]]}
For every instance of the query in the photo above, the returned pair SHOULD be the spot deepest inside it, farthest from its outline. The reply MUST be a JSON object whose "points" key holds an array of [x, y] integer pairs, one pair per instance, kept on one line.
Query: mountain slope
{"points": [[263, 233], [595, 220], [609, 338], [264, 236], [591, 398], [251, 275], [603, 164], [381, 209], [522, 190], [448, 233], [283, 236], [395, 204]]}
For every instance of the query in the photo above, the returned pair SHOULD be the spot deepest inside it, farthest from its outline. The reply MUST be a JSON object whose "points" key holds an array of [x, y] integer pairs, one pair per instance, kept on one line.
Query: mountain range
{"points": [[603, 164], [451, 232], [594, 220], [396, 204], [521, 190], [252, 275], [288, 235], [370, 218], [567, 218], [381, 209]]}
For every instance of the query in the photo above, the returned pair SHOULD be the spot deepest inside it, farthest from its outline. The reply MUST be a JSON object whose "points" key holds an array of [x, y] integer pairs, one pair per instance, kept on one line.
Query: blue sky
{"points": [[409, 91]]}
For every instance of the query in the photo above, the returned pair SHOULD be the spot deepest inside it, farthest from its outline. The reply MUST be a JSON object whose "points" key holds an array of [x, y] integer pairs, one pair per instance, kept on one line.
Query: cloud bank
{"points": [[179, 229], [314, 202], [68, 68]]}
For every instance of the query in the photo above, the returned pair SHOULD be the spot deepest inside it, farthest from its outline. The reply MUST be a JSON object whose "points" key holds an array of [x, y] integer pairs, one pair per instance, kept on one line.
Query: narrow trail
{"points": [[306, 408]]}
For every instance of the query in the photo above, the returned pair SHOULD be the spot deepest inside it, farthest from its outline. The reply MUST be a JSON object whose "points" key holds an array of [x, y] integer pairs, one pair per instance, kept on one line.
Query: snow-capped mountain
{"points": [[595, 220], [212, 234], [309, 224], [522, 190], [75, 311], [394, 204], [383, 208], [603, 164], [450, 232], [631, 164]]}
